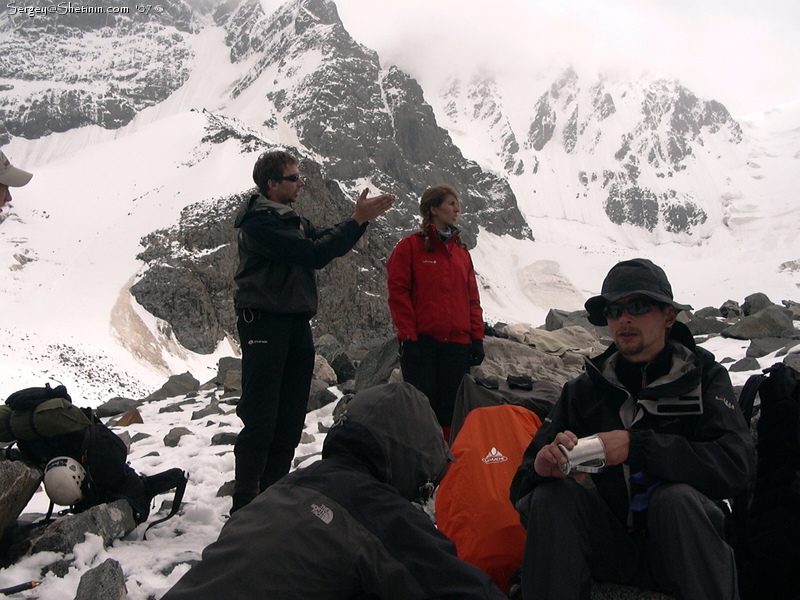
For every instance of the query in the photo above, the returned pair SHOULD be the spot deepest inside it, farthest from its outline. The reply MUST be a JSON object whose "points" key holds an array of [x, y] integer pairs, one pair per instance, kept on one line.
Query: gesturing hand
{"points": [[368, 209]]}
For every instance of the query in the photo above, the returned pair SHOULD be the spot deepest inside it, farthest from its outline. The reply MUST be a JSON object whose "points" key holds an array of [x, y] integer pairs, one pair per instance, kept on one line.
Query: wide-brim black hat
{"points": [[628, 278]]}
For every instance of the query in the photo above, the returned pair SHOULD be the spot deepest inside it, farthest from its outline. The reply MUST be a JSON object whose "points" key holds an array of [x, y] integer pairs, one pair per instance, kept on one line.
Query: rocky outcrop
{"points": [[105, 582], [91, 68], [18, 482], [189, 280], [771, 321], [107, 521], [363, 121], [176, 385], [329, 347]]}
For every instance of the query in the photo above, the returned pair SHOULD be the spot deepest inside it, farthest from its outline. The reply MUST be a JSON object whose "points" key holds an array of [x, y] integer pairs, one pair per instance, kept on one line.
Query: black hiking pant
{"points": [[277, 367], [436, 369], [573, 537]]}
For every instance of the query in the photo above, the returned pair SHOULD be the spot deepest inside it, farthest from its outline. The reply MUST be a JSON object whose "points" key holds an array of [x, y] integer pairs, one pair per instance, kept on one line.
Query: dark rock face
{"points": [[377, 366], [109, 521], [176, 385], [319, 395], [174, 436], [200, 254], [673, 122], [770, 322], [557, 319], [730, 309], [91, 68], [116, 406], [755, 302], [224, 367], [745, 364], [700, 325], [18, 482], [105, 582], [366, 122], [332, 351], [543, 125], [763, 346], [392, 139]]}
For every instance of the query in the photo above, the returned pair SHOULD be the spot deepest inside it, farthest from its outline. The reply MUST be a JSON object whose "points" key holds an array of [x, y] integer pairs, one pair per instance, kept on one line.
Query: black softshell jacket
{"points": [[684, 427], [278, 254]]}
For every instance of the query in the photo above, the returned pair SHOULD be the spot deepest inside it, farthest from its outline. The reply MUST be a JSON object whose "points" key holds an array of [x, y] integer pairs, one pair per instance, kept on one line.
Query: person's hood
{"points": [[392, 431]]}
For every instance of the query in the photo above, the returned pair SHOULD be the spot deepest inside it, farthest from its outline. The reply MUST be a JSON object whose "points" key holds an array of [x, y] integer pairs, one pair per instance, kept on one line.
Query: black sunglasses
{"points": [[293, 177], [635, 308]]}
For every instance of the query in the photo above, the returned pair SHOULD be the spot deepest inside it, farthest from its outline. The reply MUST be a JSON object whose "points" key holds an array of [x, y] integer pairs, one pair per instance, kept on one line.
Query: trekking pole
{"points": [[19, 588]]}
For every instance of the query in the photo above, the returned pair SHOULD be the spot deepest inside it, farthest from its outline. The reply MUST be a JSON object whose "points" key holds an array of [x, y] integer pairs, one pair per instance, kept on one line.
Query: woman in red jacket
{"points": [[434, 302]]}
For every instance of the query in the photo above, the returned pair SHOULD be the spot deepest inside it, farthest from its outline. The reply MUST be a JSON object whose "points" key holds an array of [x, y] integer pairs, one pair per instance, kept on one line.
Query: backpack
{"points": [[768, 521], [473, 507], [45, 424]]}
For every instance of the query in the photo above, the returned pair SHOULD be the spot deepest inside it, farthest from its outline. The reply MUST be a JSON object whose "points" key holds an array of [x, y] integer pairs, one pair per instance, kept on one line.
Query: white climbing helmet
{"points": [[63, 477]]}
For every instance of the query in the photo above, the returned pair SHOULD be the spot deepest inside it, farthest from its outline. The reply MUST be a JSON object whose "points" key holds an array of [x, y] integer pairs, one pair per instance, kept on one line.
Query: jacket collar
{"points": [[433, 234], [261, 202], [677, 393]]}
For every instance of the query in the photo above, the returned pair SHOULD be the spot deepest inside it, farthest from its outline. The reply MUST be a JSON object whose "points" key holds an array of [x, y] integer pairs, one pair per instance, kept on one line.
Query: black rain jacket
{"points": [[344, 528], [685, 427], [278, 253]]}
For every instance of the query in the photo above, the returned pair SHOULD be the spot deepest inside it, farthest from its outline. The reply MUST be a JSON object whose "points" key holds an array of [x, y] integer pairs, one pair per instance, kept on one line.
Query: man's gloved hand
{"points": [[476, 354]]}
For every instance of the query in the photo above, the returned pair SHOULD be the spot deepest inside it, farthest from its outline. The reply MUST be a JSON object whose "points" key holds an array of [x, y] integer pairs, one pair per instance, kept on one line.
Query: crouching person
{"points": [[665, 417], [345, 527]]}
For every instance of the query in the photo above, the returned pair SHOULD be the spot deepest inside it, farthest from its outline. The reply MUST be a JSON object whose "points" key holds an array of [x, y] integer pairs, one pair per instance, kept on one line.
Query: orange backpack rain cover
{"points": [[472, 504]]}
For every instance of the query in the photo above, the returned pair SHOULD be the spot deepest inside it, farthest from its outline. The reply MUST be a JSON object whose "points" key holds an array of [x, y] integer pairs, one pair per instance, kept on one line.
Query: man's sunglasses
{"points": [[293, 177], [635, 308]]}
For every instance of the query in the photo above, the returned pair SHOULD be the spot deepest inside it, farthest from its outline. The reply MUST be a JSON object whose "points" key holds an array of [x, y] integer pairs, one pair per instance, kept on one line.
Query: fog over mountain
{"points": [[142, 129]]}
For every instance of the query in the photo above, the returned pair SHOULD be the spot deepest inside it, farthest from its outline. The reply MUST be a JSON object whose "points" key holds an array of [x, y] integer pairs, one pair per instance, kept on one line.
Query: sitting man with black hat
{"points": [[667, 444]]}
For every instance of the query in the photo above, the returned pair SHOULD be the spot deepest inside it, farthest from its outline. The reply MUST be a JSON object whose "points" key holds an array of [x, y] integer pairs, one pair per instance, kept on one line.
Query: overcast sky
{"points": [[744, 53]]}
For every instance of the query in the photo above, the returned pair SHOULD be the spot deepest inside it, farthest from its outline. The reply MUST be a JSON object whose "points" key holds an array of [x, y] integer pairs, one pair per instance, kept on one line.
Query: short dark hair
{"points": [[271, 165]]}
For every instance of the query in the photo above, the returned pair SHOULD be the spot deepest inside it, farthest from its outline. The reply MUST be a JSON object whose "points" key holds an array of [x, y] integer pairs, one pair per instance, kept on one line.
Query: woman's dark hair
{"points": [[433, 197], [271, 165]]}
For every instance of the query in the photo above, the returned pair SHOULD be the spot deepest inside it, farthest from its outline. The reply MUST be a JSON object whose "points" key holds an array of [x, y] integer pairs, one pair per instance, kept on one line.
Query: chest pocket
{"points": [[674, 406]]}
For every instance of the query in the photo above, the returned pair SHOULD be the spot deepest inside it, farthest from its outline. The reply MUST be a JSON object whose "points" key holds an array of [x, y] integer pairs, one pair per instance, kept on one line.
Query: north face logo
{"points": [[324, 513], [494, 457]]}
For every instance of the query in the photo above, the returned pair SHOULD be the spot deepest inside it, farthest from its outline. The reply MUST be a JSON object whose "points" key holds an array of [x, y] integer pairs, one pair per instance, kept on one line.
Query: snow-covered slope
{"points": [[711, 198], [149, 565]]}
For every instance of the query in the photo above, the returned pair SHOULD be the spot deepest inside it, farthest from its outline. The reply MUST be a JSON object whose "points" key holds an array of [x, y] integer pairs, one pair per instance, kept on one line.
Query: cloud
{"points": [[743, 54]]}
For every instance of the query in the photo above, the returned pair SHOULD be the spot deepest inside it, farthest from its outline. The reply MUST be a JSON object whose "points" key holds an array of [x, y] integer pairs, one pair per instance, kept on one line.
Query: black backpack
{"points": [[35, 417], [768, 542]]}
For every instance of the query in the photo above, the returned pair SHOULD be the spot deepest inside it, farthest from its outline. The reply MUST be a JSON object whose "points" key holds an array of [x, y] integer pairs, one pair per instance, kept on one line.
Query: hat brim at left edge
{"points": [[14, 177]]}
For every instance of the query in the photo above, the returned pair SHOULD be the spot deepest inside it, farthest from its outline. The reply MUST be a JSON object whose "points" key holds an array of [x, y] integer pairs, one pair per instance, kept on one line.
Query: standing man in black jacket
{"points": [[674, 441], [276, 298]]}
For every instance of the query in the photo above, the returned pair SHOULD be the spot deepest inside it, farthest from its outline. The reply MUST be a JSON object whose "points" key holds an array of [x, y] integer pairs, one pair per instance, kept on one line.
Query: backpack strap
{"points": [[740, 504], [86, 445], [748, 395], [180, 487]]}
